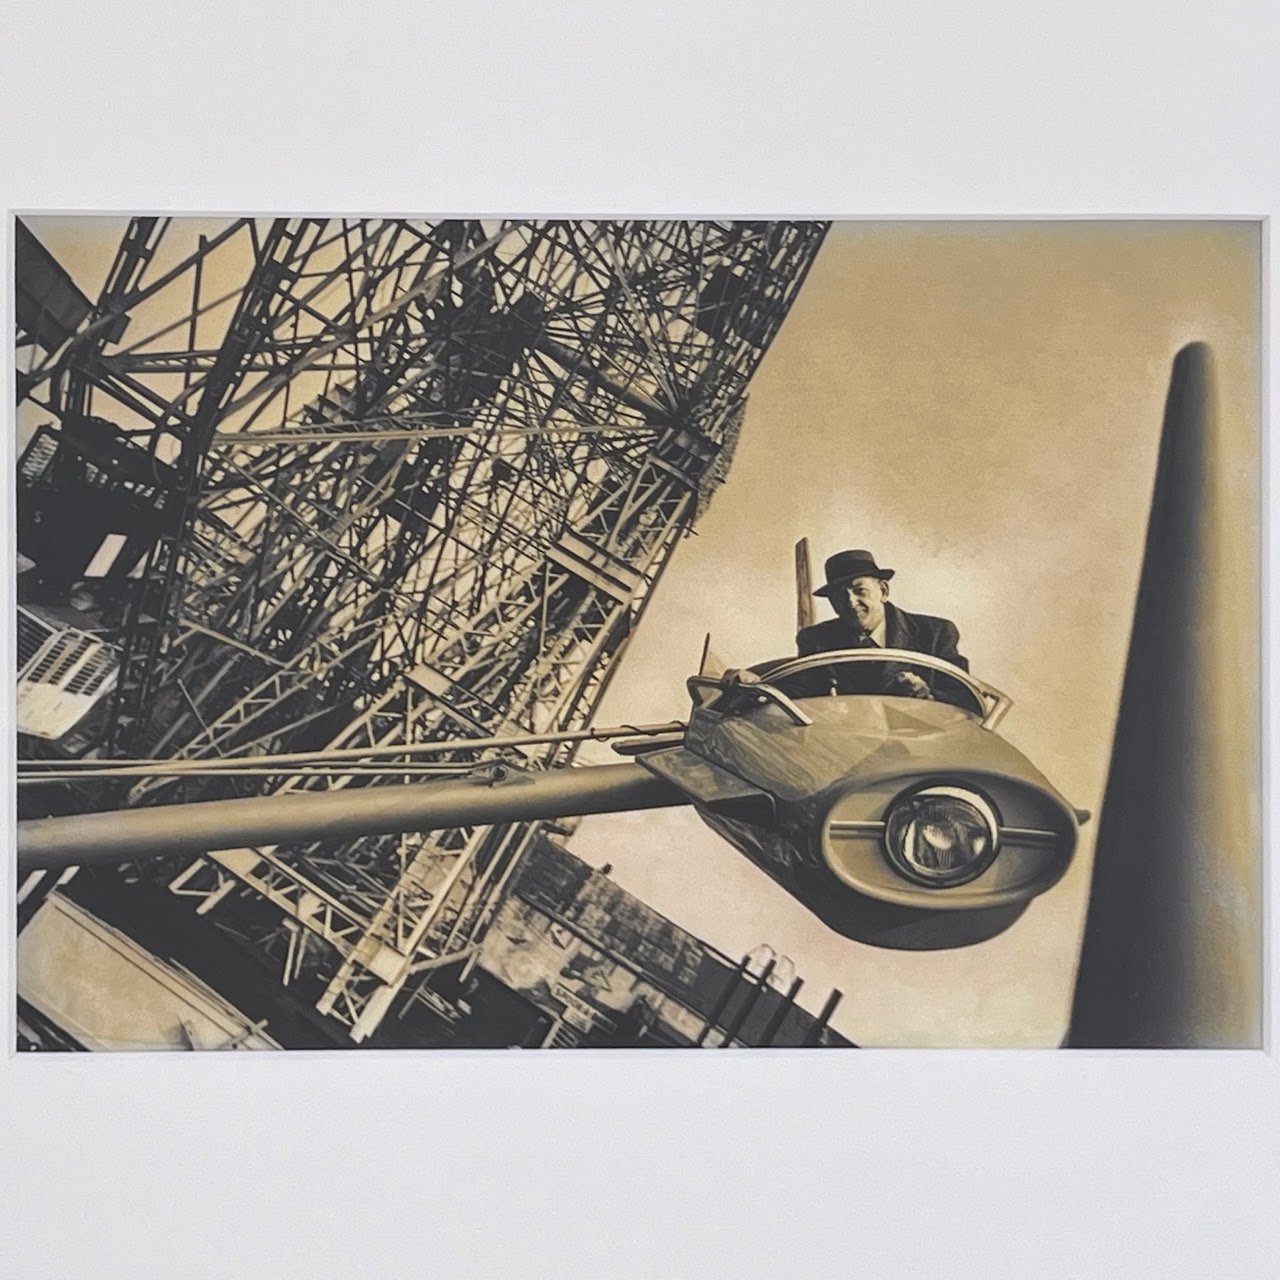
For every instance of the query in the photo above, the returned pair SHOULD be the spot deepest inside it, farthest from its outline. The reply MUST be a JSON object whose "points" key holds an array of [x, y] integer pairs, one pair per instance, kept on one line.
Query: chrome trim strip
{"points": [[855, 830], [852, 830], [1029, 835]]}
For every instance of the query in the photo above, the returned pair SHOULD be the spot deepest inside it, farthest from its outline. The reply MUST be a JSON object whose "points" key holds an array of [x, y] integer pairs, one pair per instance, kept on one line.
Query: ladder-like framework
{"points": [[403, 482]]}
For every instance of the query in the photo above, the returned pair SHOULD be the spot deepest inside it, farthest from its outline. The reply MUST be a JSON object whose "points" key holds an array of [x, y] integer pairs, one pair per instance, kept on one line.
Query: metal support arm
{"points": [[162, 830]]}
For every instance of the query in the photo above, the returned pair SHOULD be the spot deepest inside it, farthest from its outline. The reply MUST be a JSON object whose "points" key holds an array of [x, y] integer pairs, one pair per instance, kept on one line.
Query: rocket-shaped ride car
{"points": [[899, 822]]}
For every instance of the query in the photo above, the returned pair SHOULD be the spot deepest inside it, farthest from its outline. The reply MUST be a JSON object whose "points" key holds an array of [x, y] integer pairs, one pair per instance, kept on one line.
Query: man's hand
{"points": [[909, 683]]}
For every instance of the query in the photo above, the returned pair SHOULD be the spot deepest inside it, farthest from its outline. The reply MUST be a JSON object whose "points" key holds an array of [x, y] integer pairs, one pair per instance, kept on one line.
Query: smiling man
{"points": [[859, 593]]}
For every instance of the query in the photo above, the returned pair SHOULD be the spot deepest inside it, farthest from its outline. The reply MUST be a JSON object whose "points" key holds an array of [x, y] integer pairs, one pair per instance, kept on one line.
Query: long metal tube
{"points": [[325, 756], [132, 834]]}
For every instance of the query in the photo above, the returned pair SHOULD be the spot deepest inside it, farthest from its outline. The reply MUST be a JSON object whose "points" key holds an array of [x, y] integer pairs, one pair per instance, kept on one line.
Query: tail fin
{"points": [[710, 664], [804, 587]]}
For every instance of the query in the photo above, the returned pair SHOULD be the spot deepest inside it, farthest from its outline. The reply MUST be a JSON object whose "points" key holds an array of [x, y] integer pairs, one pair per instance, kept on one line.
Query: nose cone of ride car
{"points": [[856, 814]]}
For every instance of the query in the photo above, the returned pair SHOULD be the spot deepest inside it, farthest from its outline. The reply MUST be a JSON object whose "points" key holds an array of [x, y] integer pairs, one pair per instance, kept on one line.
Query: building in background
{"points": [[571, 960]]}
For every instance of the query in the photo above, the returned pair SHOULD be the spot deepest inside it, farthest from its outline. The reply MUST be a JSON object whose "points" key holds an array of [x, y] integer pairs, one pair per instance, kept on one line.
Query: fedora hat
{"points": [[844, 566]]}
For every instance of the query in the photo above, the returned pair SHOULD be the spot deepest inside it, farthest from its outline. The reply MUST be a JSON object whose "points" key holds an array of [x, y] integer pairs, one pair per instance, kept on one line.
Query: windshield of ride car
{"points": [[866, 675]]}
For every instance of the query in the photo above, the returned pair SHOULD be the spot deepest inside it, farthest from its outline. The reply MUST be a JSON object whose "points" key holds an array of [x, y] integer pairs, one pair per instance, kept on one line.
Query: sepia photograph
{"points": [[479, 633]]}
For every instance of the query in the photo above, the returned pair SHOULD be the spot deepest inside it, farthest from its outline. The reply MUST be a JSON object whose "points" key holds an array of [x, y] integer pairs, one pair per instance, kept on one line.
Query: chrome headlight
{"points": [[941, 836]]}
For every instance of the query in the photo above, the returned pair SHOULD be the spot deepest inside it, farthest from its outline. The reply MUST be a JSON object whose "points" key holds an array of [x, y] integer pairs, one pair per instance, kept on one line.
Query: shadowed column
{"points": [[1172, 945]]}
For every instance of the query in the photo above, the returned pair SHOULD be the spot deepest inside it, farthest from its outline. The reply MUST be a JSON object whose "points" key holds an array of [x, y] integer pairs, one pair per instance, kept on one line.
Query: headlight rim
{"points": [[977, 799]]}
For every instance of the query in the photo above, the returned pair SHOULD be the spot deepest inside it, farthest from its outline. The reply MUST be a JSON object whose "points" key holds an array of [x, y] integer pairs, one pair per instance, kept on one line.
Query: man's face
{"points": [[862, 600]]}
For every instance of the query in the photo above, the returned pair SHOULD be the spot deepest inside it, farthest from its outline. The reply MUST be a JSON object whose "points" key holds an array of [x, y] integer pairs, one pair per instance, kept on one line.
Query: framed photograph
{"points": [[695, 530]]}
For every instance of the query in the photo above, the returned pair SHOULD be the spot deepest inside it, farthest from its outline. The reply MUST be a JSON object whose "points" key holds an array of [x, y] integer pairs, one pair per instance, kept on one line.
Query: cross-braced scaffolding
{"points": [[370, 483]]}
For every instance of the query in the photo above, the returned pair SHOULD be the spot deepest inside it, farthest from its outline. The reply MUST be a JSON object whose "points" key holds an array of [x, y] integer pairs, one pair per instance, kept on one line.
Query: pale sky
{"points": [[979, 404]]}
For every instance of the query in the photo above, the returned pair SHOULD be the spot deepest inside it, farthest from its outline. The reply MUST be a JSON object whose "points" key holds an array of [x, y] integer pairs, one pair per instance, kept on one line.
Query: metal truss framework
{"points": [[410, 482]]}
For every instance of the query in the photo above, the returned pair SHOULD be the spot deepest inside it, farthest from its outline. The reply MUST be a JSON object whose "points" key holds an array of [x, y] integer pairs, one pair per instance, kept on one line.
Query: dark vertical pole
{"points": [[785, 1005], [1172, 943], [748, 1003], [734, 978], [805, 616], [814, 1034]]}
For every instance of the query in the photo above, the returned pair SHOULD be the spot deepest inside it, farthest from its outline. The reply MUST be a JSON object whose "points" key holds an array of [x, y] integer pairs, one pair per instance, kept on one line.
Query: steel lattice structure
{"points": [[390, 482]]}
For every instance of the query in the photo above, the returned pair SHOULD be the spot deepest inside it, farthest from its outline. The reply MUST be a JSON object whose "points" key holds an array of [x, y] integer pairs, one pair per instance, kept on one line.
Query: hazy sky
{"points": [[980, 404]]}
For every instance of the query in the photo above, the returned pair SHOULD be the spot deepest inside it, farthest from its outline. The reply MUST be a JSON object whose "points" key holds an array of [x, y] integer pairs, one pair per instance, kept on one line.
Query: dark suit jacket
{"points": [[902, 630]]}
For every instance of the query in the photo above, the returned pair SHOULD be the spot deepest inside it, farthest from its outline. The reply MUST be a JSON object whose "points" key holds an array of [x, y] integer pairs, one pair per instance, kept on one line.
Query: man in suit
{"points": [[859, 593]]}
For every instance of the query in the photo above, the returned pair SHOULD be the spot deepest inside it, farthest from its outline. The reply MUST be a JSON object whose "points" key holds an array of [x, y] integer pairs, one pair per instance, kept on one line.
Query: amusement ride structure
{"points": [[340, 489]]}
